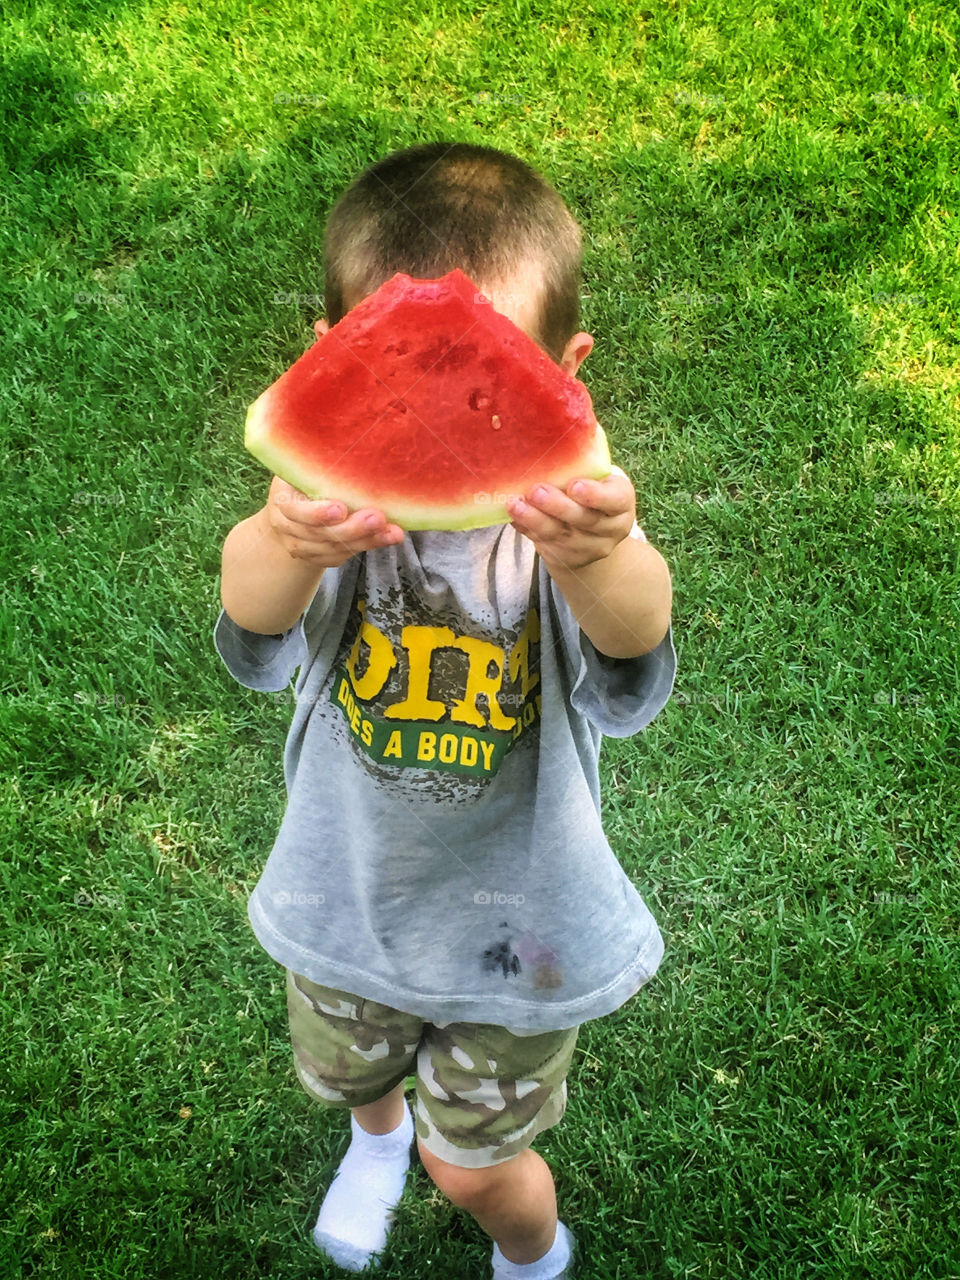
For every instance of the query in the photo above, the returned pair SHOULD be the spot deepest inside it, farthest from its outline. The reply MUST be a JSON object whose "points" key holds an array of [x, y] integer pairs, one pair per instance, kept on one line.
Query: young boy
{"points": [[448, 903]]}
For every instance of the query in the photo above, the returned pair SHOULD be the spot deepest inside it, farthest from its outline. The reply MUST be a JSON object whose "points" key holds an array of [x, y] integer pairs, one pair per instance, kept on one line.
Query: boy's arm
{"points": [[262, 587], [621, 602], [273, 561], [618, 587]]}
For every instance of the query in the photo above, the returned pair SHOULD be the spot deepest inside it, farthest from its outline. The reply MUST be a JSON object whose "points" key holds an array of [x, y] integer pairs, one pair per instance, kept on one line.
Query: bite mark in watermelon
{"points": [[428, 403]]}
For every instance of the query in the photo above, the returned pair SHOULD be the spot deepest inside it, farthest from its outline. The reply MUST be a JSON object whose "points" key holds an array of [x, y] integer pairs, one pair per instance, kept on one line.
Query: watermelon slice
{"points": [[429, 404]]}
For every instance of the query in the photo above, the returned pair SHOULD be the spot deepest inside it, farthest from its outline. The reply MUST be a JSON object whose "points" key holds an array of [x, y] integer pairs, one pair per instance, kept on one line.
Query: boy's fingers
{"points": [[327, 522], [328, 512], [300, 509], [322, 513], [365, 529], [585, 512], [612, 495], [306, 518], [343, 540], [361, 523], [546, 509]]}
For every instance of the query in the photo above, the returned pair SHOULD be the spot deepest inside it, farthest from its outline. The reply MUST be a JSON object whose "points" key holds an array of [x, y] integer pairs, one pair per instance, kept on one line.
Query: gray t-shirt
{"points": [[441, 849]]}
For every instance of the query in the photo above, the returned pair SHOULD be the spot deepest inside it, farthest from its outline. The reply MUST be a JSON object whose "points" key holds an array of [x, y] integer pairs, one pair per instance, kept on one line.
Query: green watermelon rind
{"points": [[483, 509]]}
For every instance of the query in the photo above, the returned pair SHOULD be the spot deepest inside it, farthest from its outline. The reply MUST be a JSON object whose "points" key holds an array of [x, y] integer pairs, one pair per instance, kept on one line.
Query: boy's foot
{"points": [[357, 1211], [556, 1263]]}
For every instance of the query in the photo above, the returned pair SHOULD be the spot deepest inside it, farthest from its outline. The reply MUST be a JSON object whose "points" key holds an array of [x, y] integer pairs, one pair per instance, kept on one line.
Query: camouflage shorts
{"points": [[482, 1096]]}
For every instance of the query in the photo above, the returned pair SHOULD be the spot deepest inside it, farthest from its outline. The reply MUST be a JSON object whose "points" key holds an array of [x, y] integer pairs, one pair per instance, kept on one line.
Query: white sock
{"points": [[554, 1264], [357, 1211]]}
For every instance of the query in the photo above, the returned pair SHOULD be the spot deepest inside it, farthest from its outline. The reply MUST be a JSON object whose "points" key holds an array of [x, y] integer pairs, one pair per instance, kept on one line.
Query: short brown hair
{"points": [[430, 208]]}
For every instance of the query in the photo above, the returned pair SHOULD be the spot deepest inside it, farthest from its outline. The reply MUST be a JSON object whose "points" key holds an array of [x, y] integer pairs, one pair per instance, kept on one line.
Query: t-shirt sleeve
{"points": [[620, 696], [264, 663], [268, 663]]}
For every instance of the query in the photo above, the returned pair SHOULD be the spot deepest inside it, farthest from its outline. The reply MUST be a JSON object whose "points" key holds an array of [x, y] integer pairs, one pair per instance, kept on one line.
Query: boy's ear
{"points": [[575, 352], [320, 327]]}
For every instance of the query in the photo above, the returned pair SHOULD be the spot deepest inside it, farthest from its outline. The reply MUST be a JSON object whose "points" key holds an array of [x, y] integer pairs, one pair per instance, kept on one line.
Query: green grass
{"points": [[769, 197]]}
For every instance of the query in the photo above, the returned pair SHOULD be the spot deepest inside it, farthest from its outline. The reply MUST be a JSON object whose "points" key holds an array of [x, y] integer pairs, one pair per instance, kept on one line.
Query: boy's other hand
{"points": [[324, 533], [578, 525]]}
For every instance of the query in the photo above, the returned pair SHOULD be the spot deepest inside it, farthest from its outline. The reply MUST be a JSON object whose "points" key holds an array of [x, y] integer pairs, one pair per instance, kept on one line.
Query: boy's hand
{"points": [[576, 526], [323, 533]]}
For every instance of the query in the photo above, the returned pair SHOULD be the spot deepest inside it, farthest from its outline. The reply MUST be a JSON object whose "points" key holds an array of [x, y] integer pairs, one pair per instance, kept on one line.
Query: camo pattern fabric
{"points": [[483, 1093]]}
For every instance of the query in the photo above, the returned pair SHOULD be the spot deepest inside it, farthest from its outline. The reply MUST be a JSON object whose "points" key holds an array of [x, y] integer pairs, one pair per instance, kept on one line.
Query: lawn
{"points": [[769, 199]]}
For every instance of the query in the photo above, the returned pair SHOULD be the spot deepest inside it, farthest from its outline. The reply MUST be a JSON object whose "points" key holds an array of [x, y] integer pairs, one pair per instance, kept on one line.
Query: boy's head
{"points": [[428, 209]]}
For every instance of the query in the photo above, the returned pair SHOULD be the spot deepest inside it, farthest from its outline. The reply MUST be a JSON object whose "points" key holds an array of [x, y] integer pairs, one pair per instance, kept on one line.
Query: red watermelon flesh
{"points": [[426, 402]]}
